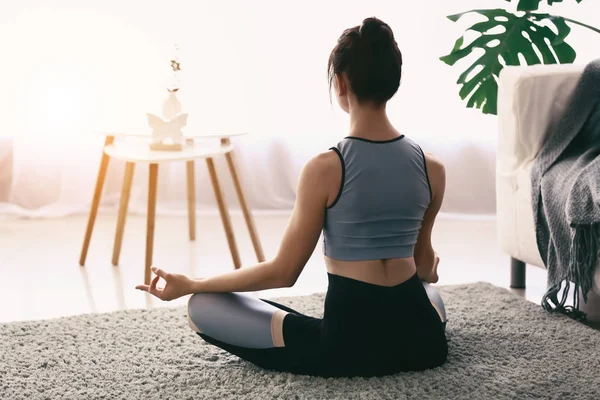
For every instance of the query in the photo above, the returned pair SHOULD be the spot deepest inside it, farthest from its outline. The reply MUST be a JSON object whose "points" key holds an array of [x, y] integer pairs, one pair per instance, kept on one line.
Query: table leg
{"points": [[191, 192], [235, 255], [125, 195], [245, 209], [96, 200], [152, 183]]}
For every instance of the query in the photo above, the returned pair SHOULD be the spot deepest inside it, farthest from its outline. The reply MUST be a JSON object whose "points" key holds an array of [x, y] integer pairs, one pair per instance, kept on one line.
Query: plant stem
{"points": [[582, 24]]}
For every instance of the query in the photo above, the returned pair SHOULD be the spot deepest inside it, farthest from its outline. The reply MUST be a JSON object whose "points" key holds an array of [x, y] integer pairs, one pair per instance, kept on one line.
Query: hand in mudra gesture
{"points": [[177, 285]]}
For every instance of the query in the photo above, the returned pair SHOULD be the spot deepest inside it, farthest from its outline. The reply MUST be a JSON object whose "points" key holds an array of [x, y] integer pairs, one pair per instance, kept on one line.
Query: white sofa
{"points": [[530, 99]]}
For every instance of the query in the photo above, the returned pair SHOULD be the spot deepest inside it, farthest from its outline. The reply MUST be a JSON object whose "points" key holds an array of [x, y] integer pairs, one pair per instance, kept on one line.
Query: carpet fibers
{"points": [[501, 347]]}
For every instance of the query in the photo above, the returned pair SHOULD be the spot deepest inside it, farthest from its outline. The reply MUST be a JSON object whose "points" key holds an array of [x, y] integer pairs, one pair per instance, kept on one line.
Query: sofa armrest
{"points": [[530, 101]]}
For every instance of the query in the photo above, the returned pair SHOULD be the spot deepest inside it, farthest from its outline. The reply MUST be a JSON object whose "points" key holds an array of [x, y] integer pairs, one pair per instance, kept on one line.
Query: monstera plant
{"points": [[539, 38]]}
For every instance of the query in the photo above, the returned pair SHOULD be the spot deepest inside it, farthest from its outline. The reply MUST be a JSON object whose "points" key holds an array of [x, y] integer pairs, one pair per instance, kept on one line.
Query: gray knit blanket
{"points": [[566, 197]]}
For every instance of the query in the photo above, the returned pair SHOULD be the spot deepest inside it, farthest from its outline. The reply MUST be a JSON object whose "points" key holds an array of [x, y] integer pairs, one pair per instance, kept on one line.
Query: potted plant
{"points": [[539, 37]]}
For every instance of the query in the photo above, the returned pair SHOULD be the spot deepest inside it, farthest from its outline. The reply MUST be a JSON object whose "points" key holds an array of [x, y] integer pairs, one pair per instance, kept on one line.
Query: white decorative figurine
{"points": [[166, 135]]}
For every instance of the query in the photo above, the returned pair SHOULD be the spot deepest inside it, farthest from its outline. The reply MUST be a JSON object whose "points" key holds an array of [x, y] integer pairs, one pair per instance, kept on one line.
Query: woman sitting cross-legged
{"points": [[374, 197]]}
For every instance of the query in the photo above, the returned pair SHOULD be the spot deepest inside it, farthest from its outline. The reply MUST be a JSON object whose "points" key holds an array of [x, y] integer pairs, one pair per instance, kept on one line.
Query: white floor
{"points": [[40, 276]]}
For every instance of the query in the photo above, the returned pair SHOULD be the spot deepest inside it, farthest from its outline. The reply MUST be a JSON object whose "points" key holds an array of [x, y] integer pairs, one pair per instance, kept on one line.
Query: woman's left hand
{"points": [[177, 285]]}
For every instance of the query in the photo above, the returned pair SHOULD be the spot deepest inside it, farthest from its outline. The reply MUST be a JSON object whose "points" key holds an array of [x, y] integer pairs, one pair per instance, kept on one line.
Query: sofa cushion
{"points": [[530, 101]]}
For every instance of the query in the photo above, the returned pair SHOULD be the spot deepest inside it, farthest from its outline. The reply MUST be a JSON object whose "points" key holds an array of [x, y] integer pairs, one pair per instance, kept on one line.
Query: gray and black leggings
{"points": [[366, 330]]}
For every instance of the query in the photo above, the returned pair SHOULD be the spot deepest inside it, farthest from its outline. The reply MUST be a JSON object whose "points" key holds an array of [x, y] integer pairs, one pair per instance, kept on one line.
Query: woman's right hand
{"points": [[177, 285]]}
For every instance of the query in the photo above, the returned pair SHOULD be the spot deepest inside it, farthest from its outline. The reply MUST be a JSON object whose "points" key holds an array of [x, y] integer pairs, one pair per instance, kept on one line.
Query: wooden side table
{"points": [[140, 153]]}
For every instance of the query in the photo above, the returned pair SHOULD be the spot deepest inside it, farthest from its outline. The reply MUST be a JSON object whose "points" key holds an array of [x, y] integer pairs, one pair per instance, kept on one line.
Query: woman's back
{"points": [[372, 226], [380, 206]]}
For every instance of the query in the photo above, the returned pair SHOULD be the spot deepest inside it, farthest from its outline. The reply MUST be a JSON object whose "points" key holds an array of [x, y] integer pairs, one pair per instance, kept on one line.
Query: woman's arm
{"points": [[425, 257], [299, 241]]}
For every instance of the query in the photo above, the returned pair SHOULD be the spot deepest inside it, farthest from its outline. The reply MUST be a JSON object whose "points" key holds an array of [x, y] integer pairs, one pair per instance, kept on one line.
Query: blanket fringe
{"points": [[582, 266], [551, 303]]}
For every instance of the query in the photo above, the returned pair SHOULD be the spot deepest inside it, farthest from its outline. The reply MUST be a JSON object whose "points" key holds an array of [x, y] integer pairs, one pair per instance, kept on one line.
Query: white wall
{"points": [[259, 66]]}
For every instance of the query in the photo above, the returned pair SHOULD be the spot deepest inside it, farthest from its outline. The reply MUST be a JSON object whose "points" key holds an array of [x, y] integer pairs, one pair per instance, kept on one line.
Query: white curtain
{"points": [[75, 67]]}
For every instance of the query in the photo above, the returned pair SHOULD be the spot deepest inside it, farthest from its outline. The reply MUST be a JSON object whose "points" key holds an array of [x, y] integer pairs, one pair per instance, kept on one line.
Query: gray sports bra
{"points": [[379, 209]]}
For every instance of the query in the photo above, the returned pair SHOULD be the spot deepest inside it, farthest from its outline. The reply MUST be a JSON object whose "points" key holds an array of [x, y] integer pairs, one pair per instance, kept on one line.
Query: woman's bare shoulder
{"points": [[436, 172], [322, 169], [326, 162]]}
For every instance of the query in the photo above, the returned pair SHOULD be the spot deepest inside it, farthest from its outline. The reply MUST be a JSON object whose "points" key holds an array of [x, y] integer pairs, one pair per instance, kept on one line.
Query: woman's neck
{"points": [[371, 123]]}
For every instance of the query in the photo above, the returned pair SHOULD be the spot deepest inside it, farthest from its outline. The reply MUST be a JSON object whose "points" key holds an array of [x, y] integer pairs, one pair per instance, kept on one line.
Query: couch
{"points": [[530, 100]]}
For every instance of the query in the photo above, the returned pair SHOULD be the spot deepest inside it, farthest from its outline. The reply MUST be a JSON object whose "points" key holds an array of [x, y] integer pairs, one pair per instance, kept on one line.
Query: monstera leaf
{"points": [[551, 2], [505, 36], [532, 5]]}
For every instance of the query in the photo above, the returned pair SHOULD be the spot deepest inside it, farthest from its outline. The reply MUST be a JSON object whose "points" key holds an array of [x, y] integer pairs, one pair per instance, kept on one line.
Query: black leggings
{"points": [[366, 330]]}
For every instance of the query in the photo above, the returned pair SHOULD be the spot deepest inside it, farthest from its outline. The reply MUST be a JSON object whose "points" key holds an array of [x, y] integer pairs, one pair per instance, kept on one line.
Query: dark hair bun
{"points": [[369, 56], [374, 30]]}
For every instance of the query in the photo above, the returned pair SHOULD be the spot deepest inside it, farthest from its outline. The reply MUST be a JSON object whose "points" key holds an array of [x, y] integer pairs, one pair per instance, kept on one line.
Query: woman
{"points": [[375, 197]]}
